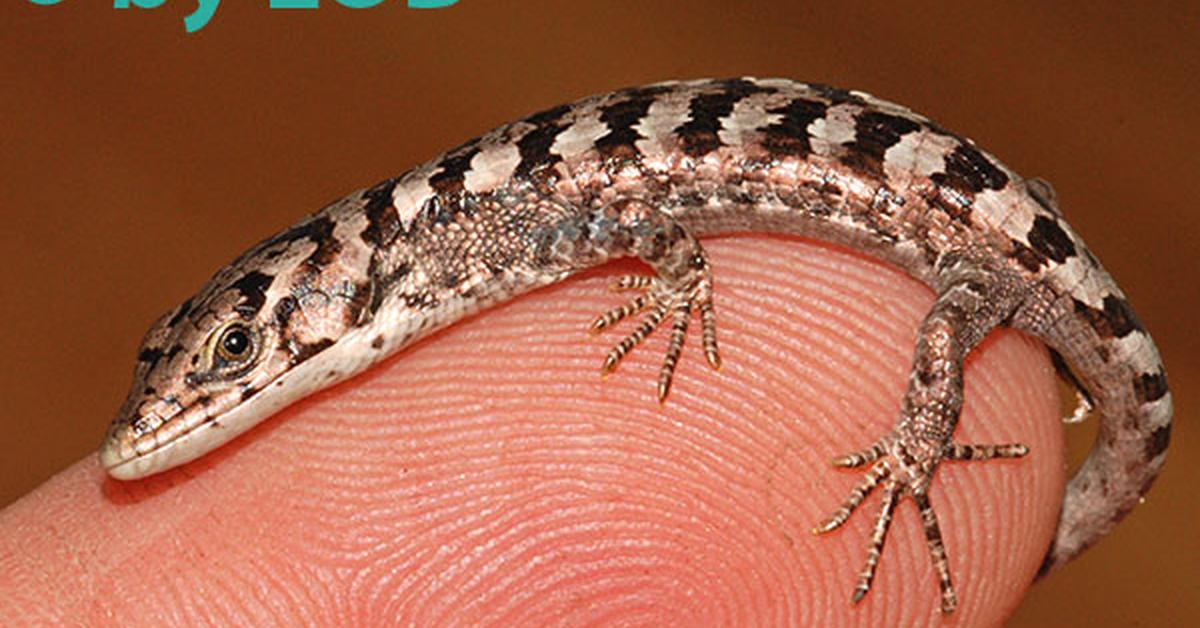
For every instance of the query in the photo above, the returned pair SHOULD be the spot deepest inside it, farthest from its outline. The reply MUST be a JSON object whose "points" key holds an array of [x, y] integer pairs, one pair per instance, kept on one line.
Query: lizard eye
{"points": [[234, 346]]}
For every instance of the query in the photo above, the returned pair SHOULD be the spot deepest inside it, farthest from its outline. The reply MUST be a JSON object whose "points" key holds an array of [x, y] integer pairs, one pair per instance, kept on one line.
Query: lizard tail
{"points": [[1118, 368]]}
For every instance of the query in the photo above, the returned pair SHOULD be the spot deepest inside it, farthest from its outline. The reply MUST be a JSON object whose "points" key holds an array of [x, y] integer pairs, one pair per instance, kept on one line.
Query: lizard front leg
{"points": [[971, 301], [680, 286]]}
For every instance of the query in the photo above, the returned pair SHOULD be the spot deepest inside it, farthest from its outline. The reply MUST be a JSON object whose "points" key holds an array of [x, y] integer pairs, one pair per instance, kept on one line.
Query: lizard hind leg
{"points": [[681, 286], [970, 303]]}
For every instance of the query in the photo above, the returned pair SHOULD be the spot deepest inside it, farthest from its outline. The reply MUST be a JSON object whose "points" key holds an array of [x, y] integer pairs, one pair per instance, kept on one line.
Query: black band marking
{"points": [[1049, 239]]}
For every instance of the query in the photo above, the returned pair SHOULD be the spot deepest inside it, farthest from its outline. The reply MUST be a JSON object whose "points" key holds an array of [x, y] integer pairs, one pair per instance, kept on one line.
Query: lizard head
{"points": [[240, 349]]}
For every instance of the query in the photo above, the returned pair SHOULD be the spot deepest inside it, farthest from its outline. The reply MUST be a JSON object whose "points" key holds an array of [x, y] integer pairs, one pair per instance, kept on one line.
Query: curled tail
{"points": [[1117, 366]]}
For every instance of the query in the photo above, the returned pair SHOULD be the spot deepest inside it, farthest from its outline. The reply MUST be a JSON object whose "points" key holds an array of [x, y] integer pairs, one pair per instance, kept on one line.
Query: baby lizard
{"points": [[644, 172]]}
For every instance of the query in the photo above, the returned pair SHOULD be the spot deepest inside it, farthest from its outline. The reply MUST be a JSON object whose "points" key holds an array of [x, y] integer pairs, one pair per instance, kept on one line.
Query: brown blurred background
{"points": [[136, 160]]}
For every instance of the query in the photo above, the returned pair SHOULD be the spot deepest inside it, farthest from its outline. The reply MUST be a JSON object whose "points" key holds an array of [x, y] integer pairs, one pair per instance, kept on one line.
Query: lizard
{"points": [[646, 172]]}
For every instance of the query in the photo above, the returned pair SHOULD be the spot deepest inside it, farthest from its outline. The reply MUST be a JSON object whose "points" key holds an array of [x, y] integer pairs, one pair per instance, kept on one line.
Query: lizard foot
{"points": [[906, 469], [662, 300]]}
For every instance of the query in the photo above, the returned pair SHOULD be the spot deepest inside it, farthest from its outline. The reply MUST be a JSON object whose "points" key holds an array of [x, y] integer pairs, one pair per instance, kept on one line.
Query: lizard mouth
{"points": [[126, 455], [121, 461], [204, 424], [169, 431], [129, 453]]}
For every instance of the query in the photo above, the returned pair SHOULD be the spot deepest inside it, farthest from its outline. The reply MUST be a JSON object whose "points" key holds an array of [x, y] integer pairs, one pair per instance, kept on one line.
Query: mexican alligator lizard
{"points": [[644, 172]]}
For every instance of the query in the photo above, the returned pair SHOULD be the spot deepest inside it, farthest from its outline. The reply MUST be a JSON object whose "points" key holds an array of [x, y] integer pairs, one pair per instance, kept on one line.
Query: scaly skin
{"points": [[645, 172]]}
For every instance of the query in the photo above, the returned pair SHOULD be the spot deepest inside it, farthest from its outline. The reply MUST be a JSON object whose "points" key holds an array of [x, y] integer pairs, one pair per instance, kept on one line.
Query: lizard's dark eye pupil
{"points": [[235, 342]]}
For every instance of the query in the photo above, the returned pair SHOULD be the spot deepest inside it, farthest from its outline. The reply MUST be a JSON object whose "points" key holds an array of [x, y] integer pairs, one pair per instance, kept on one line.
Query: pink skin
{"points": [[488, 476]]}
